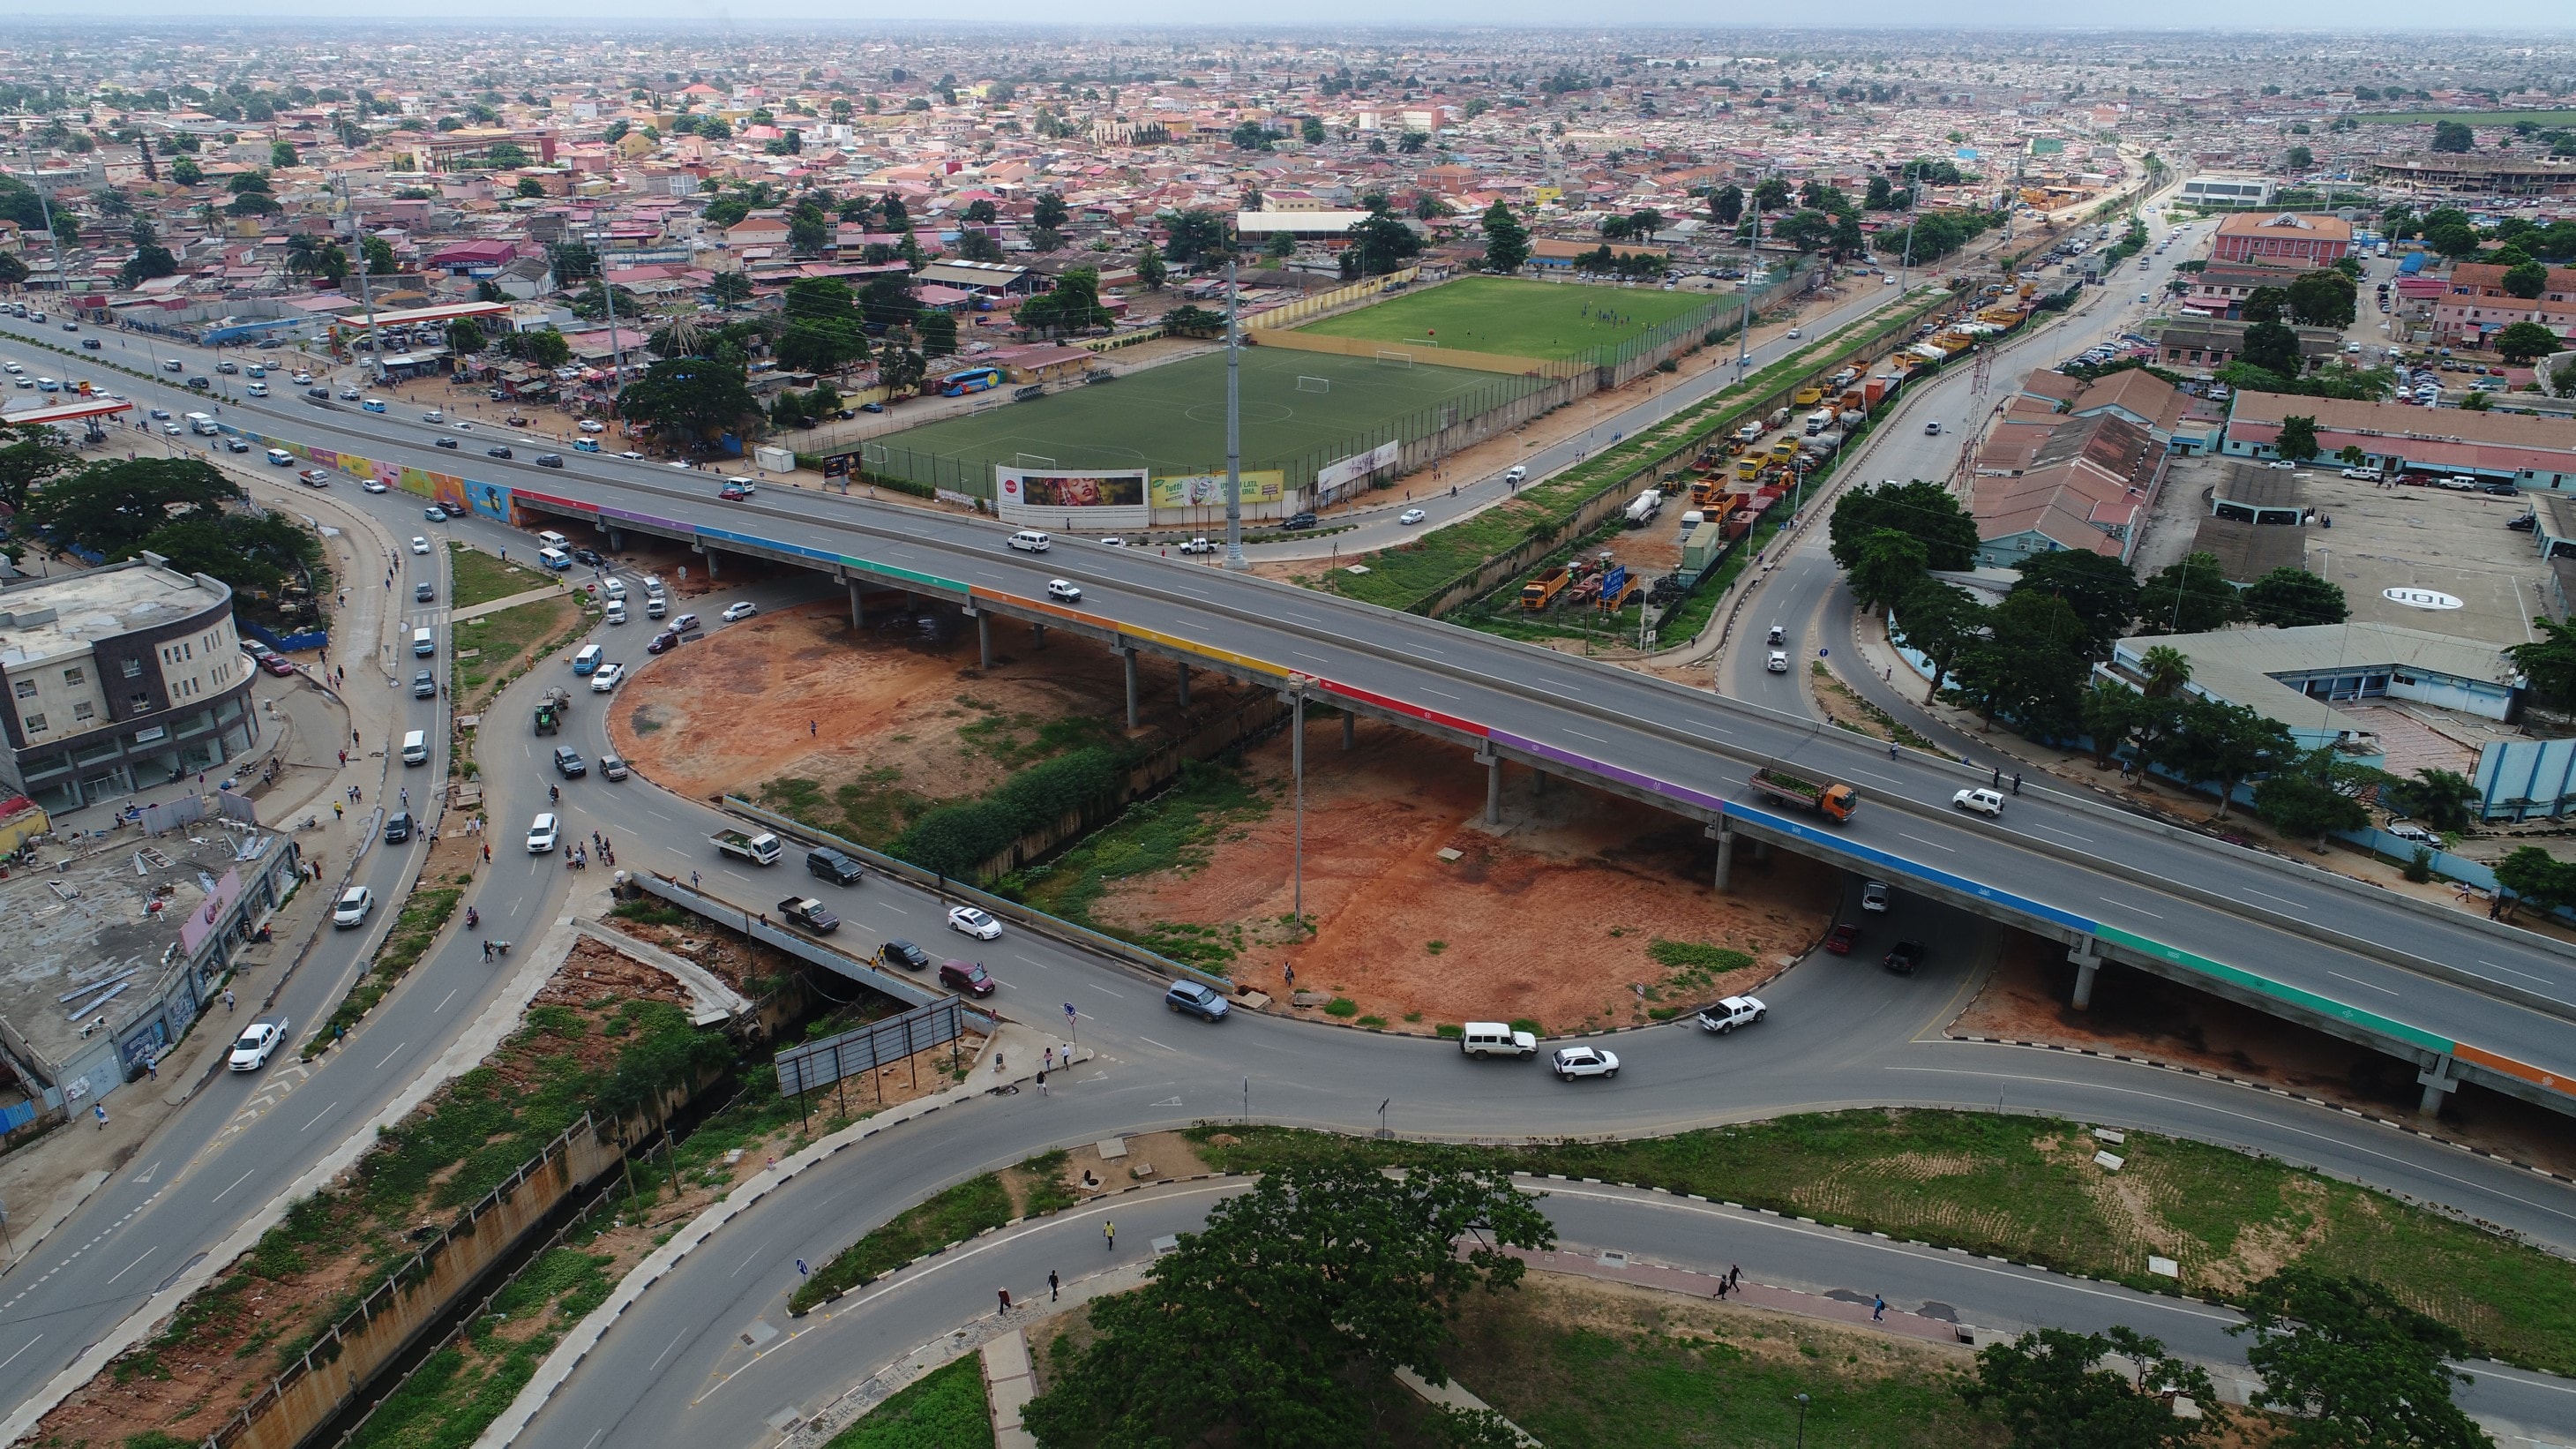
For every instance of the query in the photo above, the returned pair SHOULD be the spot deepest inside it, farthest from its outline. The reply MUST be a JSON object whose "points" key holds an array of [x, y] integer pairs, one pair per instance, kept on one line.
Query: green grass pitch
{"points": [[1171, 419], [1544, 320]]}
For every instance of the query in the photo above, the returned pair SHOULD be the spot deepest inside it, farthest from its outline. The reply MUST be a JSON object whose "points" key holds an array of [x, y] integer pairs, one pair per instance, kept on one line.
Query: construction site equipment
{"points": [[552, 706], [1539, 592]]}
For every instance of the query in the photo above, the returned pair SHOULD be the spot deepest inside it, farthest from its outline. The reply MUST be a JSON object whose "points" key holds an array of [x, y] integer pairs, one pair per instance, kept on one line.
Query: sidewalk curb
{"points": [[584, 1336]]}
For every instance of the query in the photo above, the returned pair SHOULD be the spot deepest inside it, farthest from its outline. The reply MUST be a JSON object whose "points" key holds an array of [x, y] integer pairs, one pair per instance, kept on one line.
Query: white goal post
{"points": [[1314, 384], [1394, 359], [1033, 460]]}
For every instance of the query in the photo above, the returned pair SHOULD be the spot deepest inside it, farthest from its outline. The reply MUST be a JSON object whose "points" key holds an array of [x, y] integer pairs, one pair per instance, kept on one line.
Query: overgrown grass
{"points": [[1695, 965], [953, 1216], [1047, 1192], [1176, 830], [1408, 576], [414, 930], [947, 1409], [2027, 1189], [872, 809], [497, 639], [1580, 1369], [464, 1386], [477, 577]]}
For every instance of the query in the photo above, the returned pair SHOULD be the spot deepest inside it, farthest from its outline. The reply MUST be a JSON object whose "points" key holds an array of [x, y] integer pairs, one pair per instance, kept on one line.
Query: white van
{"points": [[1029, 540], [423, 642], [614, 588], [656, 606], [588, 659], [554, 558], [615, 612], [416, 748], [1495, 1039], [551, 539], [281, 458]]}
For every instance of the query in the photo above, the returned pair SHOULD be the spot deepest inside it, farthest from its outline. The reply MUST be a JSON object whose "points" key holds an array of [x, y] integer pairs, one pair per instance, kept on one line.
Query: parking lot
{"points": [[2448, 543]]}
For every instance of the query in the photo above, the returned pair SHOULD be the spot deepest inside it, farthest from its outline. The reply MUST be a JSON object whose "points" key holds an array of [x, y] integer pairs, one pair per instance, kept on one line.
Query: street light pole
{"points": [[1233, 426], [616, 353], [1297, 768], [1752, 265], [366, 293], [1802, 1421]]}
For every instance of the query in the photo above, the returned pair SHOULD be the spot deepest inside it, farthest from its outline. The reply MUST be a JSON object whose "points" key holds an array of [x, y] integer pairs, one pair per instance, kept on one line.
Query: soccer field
{"points": [[1544, 320], [1301, 410]]}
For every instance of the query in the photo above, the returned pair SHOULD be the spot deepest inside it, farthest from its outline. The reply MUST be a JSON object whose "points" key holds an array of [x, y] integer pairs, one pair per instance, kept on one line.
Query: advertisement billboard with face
{"points": [[1030, 488], [1207, 490]]}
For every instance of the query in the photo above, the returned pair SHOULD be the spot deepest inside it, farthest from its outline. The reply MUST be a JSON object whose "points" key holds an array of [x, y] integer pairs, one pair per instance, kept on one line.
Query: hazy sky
{"points": [[2551, 19]]}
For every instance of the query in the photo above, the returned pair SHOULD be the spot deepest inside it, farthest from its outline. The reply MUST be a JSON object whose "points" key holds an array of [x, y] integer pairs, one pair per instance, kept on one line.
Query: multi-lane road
{"points": [[1840, 1034]]}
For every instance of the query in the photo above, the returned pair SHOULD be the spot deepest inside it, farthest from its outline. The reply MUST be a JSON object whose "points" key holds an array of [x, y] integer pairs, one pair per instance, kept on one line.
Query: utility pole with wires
{"points": [[45, 206], [608, 290], [1752, 268]]}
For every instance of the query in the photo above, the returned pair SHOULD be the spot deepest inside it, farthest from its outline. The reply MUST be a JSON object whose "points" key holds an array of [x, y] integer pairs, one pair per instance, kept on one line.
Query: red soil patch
{"points": [[1549, 916]]}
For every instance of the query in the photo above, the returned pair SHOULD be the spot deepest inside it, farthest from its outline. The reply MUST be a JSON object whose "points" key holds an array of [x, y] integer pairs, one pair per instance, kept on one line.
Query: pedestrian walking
{"points": [[2016, 782], [487, 953], [1047, 1063], [1891, 749], [1735, 1276], [487, 852], [1721, 1290], [406, 794], [1108, 1231], [152, 1067], [1006, 1298], [1878, 1310], [813, 728], [1054, 1289], [99, 1110], [1042, 1081], [228, 998], [336, 811], [344, 759]]}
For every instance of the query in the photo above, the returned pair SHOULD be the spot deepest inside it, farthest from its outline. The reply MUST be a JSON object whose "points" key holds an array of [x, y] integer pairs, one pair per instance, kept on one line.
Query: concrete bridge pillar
{"points": [[983, 640], [1350, 730], [2438, 1083], [617, 539], [1724, 835], [711, 565], [1041, 634], [1185, 686], [1493, 764], [858, 609], [1127, 655], [2087, 966]]}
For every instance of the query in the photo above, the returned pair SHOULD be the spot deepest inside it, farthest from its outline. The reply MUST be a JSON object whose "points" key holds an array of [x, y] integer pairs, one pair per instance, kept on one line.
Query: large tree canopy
{"points": [[692, 398], [1922, 509], [1252, 1330]]}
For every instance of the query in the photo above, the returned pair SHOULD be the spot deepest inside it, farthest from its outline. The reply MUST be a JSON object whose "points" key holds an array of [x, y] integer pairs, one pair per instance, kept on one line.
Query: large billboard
{"points": [[1207, 490], [1031, 488]]}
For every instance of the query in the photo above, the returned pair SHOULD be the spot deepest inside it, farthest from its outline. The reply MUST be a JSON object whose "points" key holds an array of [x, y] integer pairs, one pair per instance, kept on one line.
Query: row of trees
{"points": [[181, 508], [1276, 1322]]}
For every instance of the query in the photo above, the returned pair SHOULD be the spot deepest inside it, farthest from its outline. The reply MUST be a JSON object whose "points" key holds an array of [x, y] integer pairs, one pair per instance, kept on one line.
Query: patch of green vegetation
{"points": [[1449, 1031], [650, 913], [497, 639], [872, 809], [1019, 740], [2026, 1189], [1047, 1192], [1695, 965], [1342, 1006], [953, 1216], [1528, 1024], [476, 577], [1374, 1023], [2468, 118], [1626, 1385], [422, 918], [1175, 830], [1515, 317], [946, 1409]]}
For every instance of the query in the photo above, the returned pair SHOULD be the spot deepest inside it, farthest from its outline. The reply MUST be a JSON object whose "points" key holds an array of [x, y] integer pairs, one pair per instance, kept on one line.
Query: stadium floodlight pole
{"points": [[1233, 423], [366, 294], [1752, 264], [44, 204], [616, 353], [1905, 267]]}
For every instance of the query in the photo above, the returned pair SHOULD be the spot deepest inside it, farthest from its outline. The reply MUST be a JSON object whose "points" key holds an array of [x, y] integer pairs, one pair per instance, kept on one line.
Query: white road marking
{"points": [[318, 1116], [2124, 905], [1543, 689], [1874, 775], [389, 1056], [236, 1182], [2069, 834], [2267, 895], [1444, 694], [2357, 981], [1936, 845], [1302, 654], [1580, 735], [655, 1364], [31, 1343], [442, 1001], [2525, 975], [1105, 991], [1149, 1041], [130, 1267]]}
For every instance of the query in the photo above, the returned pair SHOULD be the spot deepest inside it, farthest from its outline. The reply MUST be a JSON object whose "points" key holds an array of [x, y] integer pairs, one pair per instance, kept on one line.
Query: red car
{"points": [[734, 491], [1839, 940], [662, 641], [277, 664], [965, 976]]}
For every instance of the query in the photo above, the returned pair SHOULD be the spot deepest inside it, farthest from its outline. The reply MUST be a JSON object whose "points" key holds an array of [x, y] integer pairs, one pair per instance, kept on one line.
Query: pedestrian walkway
{"points": [[494, 606], [1009, 1384], [1617, 1267]]}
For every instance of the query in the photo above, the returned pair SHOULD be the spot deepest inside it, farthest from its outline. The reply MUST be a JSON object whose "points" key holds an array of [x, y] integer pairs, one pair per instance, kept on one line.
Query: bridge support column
{"points": [[1185, 686], [983, 641], [858, 609], [617, 539], [1724, 835], [1350, 730], [711, 565], [1041, 634], [1127, 654], [2438, 1083], [1493, 764], [2087, 966]]}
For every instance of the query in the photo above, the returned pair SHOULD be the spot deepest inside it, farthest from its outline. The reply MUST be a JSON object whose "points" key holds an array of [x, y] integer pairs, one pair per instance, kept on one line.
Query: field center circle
{"points": [[1253, 412]]}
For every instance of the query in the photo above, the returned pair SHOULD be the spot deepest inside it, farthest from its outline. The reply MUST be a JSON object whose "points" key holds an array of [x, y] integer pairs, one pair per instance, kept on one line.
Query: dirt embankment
{"points": [[1579, 910], [860, 731]]}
